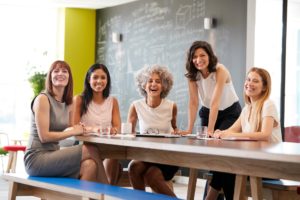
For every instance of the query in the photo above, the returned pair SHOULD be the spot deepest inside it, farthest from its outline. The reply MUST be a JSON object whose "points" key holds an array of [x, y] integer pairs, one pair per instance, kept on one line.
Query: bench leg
{"points": [[14, 162], [10, 161], [192, 184], [12, 192], [275, 195], [240, 187], [101, 198]]}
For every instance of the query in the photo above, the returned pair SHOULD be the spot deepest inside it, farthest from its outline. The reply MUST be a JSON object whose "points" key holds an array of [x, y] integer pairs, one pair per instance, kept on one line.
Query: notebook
{"points": [[159, 135], [238, 139]]}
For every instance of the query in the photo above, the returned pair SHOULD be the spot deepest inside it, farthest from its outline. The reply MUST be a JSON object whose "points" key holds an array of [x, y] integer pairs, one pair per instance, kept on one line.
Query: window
{"points": [[28, 39], [292, 89], [268, 46], [268, 37]]}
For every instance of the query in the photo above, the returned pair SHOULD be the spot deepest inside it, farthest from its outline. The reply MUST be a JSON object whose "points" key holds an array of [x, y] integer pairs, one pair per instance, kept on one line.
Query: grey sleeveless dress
{"points": [[47, 159]]}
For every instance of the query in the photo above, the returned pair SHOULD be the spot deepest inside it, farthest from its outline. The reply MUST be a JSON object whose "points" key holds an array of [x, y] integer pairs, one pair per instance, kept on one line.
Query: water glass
{"points": [[201, 131]]}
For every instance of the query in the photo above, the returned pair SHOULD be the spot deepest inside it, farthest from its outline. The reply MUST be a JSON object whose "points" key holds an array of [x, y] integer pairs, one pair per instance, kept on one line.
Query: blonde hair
{"points": [[255, 118]]}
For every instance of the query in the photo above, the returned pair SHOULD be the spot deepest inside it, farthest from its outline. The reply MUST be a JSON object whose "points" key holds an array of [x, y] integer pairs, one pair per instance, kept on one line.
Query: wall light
{"points": [[116, 37], [209, 23]]}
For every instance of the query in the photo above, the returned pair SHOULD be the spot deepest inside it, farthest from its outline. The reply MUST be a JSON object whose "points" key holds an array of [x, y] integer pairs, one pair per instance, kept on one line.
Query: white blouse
{"points": [[99, 114], [158, 118], [268, 110], [206, 87]]}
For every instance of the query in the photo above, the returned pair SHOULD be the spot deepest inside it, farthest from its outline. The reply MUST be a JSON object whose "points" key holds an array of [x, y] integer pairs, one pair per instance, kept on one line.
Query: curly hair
{"points": [[192, 71], [144, 74]]}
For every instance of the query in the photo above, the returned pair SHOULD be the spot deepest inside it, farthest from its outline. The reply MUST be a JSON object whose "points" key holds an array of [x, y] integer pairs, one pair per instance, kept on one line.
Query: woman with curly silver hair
{"points": [[144, 74], [154, 113]]}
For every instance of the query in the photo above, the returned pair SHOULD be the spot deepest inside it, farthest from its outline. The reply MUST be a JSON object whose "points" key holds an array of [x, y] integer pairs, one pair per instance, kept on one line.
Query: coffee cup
{"points": [[126, 128]]}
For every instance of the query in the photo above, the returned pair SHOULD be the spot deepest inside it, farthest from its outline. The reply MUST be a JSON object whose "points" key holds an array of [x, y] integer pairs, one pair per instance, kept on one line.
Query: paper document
{"points": [[162, 135], [238, 139], [109, 135]]}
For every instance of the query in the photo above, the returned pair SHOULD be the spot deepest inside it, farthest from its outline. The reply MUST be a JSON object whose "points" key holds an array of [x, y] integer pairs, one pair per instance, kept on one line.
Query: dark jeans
{"points": [[225, 119]]}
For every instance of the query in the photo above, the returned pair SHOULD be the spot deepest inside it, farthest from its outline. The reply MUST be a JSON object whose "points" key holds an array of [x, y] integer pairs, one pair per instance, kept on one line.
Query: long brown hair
{"points": [[192, 71], [68, 92], [87, 94], [257, 108]]}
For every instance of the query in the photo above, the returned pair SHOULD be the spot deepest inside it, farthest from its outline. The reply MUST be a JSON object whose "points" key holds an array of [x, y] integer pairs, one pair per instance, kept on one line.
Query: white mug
{"points": [[126, 128]]}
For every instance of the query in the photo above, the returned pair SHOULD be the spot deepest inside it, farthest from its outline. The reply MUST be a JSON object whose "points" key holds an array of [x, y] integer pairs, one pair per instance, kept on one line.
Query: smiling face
{"points": [[254, 86], [60, 76], [201, 60], [153, 86], [98, 80]]}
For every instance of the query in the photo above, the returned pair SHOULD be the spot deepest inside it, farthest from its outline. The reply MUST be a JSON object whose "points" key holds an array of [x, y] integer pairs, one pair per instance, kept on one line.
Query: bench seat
{"points": [[283, 189], [61, 188], [281, 184]]}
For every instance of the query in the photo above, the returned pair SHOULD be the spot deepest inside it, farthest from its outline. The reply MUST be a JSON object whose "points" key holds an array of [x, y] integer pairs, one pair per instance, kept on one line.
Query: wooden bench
{"points": [[61, 188], [283, 189]]}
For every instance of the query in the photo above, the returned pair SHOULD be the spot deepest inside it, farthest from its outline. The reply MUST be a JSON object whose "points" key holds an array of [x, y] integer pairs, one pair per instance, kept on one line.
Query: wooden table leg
{"points": [[192, 184], [12, 192], [240, 187], [256, 188]]}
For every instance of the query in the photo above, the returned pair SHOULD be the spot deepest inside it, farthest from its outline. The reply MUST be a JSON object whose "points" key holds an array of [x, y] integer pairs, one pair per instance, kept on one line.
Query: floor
{"points": [[180, 185]]}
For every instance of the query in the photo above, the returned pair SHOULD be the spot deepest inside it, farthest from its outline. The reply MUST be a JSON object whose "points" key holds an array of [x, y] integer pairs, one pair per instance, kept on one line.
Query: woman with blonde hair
{"points": [[258, 120]]}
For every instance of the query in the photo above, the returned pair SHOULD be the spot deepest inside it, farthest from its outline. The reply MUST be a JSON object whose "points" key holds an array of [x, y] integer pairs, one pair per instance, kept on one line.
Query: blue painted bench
{"points": [[68, 188]]}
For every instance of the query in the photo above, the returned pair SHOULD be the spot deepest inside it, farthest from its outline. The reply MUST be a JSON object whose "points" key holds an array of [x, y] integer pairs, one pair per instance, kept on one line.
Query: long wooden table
{"points": [[244, 158]]}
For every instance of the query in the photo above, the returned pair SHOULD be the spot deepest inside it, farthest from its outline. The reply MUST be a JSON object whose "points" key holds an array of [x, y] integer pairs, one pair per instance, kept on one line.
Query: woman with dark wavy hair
{"points": [[210, 83], [96, 108]]}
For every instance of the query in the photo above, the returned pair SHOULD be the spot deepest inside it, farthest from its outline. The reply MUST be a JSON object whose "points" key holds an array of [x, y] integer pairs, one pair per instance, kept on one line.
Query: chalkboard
{"points": [[160, 32]]}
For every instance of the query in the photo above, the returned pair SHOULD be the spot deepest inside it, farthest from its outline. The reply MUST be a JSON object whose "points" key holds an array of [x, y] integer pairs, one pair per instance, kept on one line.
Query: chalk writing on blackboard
{"points": [[153, 32]]}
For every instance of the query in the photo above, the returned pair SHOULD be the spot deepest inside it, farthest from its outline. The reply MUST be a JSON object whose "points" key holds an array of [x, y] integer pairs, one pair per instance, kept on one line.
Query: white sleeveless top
{"points": [[268, 110], [154, 118], [206, 87], [99, 114]]}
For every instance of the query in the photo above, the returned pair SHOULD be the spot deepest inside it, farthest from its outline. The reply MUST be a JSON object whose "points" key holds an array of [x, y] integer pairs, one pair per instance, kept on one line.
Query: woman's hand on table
{"points": [[176, 131], [218, 134], [185, 132], [113, 131], [77, 129]]}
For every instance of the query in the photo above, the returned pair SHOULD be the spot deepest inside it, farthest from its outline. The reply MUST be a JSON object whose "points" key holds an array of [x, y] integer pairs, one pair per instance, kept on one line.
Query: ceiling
{"points": [[91, 4]]}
